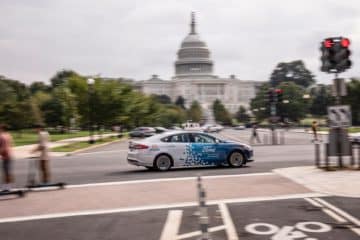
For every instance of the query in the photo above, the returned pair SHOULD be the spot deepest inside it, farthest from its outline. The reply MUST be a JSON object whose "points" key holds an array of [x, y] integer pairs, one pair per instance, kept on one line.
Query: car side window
{"points": [[182, 138], [201, 138]]}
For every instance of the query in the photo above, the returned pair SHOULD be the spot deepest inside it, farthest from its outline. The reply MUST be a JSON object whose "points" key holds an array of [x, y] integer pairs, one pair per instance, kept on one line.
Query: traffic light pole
{"points": [[273, 115], [338, 129]]}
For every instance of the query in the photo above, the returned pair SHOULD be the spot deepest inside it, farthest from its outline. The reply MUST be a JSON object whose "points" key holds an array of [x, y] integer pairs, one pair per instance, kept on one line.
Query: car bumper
{"points": [[140, 159]]}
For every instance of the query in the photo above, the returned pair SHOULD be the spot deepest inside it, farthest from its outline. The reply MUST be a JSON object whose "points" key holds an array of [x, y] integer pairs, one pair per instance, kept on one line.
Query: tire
{"points": [[236, 159], [163, 162]]}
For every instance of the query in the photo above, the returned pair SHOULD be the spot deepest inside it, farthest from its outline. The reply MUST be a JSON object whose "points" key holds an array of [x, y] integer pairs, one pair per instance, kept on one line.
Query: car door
{"points": [[176, 146], [204, 150]]}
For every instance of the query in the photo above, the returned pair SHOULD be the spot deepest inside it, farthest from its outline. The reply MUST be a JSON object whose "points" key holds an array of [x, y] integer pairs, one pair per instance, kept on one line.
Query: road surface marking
{"points": [[344, 214], [172, 225], [101, 152], [198, 233], [156, 207], [168, 180], [327, 211], [336, 213], [228, 222]]}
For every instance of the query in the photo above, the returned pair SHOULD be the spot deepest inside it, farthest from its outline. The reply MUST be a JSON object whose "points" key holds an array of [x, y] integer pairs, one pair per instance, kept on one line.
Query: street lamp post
{"points": [[90, 82]]}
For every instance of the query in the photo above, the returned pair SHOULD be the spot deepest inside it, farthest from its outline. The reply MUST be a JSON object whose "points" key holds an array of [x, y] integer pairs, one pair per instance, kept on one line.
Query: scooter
{"points": [[31, 180]]}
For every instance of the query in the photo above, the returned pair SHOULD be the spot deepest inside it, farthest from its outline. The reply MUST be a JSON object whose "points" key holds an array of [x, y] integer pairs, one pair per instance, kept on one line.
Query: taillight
{"points": [[138, 146]]}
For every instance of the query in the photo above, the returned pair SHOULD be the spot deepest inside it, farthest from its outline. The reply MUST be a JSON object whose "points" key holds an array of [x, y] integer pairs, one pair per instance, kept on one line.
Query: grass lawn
{"points": [[80, 145], [30, 137]]}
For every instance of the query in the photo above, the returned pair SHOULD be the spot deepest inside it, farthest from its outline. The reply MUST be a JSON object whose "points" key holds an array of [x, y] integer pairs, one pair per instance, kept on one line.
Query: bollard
{"points": [[352, 152], [203, 212], [282, 138], [358, 149], [327, 156], [317, 154]]}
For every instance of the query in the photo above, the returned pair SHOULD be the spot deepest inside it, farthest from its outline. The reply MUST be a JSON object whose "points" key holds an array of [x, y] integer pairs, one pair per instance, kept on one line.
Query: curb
{"points": [[93, 147]]}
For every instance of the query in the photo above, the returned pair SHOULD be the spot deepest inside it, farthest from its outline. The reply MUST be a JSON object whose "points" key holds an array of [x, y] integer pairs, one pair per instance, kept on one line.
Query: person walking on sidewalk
{"points": [[254, 134], [314, 127], [43, 149], [6, 142]]}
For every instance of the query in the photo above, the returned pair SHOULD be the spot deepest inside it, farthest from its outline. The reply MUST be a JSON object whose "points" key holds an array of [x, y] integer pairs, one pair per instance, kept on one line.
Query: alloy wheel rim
{"points": [[163, 163], [236, 159]]}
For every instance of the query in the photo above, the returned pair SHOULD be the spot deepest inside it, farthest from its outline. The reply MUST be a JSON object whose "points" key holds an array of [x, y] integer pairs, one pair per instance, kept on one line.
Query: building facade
{"points": [[194, 79]]}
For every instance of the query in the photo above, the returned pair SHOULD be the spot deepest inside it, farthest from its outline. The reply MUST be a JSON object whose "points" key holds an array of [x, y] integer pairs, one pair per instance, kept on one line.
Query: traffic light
{"points": [[279, 94], [270, 95], [335, 55]]}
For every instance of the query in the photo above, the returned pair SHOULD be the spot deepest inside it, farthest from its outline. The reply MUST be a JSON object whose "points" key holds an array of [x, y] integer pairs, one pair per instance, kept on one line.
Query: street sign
{"points": [[339, 87], [339, 116]]}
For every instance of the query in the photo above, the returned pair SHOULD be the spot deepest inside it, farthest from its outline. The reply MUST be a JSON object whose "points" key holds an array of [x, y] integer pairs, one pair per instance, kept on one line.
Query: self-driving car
{"points": [[187, 149]]}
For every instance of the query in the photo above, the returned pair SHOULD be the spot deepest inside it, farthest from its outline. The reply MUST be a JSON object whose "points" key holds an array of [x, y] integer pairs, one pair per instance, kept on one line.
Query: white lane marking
{"points": [[156, 207], [327, 211], [198, 233], [336, 213], [339, 211], [172, 225], [229, 224], [101, 152], [168, 180], [344, 214]]}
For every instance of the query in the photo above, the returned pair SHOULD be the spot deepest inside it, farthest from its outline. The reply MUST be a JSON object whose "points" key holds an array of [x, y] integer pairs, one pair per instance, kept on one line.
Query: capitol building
{"points": [[194, 78]]}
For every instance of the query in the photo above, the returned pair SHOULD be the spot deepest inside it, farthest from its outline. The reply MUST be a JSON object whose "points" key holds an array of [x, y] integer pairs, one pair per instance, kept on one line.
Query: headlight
{"points": [[247, 147]]}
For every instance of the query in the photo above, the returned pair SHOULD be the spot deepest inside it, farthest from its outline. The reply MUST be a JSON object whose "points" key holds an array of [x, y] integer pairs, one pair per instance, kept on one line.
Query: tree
{"points": [[296, 107], [61, 77], [164, 99], [292, 72], [38, 87], [195, 112], [260, 105], [180, 101], [321, 99], [353, 99], [241, 115], [221, 114]]}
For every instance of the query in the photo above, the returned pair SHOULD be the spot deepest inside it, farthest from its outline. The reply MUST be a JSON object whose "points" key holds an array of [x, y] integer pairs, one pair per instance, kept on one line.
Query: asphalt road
{"points": [[257, 220], [108, 163]]}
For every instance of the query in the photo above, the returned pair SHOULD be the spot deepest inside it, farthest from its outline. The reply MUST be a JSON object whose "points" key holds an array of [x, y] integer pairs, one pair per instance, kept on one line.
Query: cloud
{"points": [[138, 38]]}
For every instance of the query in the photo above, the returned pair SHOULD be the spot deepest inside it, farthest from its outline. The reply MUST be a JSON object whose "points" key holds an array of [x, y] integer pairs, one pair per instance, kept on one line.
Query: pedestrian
{"points": [[6, 143], [314, 127], [43, 149], [254, 134]]}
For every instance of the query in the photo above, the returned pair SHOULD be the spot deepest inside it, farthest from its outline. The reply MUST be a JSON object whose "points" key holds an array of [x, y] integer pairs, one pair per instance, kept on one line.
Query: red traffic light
{"points": [[328, 43], [345, 42], [279, 91]]}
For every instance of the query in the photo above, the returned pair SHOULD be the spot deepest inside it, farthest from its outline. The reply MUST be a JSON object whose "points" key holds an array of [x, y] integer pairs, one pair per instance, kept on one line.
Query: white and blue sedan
{"points": [[187, 149]]}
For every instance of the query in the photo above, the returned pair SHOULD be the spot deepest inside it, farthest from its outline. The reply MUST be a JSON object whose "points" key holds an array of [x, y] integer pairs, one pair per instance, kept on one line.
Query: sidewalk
{"points": [[24, 151], [340, 183]]}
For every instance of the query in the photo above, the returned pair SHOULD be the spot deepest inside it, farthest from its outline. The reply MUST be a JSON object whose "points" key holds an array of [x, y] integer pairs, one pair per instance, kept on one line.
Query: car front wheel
{"points": [[163, 163], [236, 159]]}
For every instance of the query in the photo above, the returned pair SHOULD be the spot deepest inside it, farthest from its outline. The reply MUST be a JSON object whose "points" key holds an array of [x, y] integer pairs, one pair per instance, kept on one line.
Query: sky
{"points": [[138, 38]]}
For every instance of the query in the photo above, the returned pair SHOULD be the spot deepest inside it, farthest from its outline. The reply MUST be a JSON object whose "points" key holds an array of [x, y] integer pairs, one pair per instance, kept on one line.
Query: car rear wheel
{"points": [[163, 163], [236, 159]]}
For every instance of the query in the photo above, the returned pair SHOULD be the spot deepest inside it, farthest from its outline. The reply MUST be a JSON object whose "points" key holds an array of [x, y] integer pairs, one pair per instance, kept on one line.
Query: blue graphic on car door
{"points": [[207, 152]]}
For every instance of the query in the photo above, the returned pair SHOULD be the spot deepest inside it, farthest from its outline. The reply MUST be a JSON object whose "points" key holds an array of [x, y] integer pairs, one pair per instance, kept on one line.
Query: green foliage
{"points": [[353, 99], [294, 110], [220, 113], [297, 106], [180, 101], [292, 72], [321, 99], [242, 115], [195, 112]]}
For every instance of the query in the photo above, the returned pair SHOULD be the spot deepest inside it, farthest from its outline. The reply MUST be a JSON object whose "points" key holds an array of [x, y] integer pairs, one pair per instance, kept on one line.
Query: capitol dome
{"points": [[193, 55]]}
